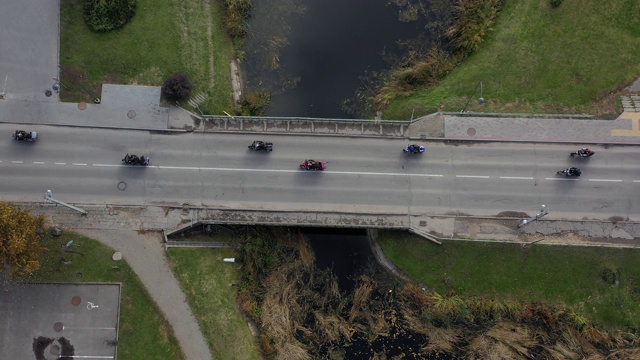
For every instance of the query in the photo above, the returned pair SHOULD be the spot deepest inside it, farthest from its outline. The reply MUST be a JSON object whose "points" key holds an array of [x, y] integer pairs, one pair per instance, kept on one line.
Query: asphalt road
{"points": [[217, 170]]}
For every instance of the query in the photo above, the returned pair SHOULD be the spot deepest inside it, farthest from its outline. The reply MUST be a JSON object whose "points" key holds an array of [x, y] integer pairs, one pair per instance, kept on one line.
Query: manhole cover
{"points": [[82, 105], [48, 93], [122, 185], [54, 350], [79, 275], [117, 256], [471, 131], [58, 326], [131, 114], [76, 300]]}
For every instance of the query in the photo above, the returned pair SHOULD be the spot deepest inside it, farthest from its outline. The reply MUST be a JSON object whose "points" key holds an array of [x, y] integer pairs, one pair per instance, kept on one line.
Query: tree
{"points": [[177, 87], [108, 15], [19, 239]]}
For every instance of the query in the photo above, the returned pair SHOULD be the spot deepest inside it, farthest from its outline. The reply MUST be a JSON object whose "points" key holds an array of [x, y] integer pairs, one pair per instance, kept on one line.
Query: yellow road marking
{"points": [[635, 125]]}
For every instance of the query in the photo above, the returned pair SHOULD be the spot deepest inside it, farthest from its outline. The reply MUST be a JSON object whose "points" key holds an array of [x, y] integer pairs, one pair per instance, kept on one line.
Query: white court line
{"points": [[16, 162], [473, 176], [516, 177], [606, 180], [559, 179], [60, 163], [39, 162], [79, 164]]}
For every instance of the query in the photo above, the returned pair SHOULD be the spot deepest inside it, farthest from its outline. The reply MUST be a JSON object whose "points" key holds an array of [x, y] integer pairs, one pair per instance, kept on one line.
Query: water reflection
{"points": [[313, 54]]}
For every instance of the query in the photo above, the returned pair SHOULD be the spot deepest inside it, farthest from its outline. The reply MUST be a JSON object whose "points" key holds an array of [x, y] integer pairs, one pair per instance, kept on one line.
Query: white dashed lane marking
{"points": [[516, 178], [606, 180]]}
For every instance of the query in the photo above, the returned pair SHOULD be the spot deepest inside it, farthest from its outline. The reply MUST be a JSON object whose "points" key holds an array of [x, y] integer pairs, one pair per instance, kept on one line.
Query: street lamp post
{"points": [[543, 212], [48, 197], [480, 99]]}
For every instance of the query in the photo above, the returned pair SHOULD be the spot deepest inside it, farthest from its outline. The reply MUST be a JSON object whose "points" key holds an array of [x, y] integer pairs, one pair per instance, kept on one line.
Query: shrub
{"points": [[177, 87], [237, 12], [472, 20], [108, 15], [556, 3]]}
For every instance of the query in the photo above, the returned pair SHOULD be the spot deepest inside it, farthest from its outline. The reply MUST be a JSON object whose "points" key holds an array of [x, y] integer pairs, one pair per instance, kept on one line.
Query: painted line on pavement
{"points": [[636, 181], [16, 162], [79, 164], [606, 180], [516, 178], [556, 179], [473, 176], [60, 163], [39, 162], [107, 165]]}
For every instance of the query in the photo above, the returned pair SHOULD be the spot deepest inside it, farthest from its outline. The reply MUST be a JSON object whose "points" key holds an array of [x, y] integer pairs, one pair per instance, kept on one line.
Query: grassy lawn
{"points": [[553, 274], [539, 59], [165, 37], [207, 280], [143, 331]]}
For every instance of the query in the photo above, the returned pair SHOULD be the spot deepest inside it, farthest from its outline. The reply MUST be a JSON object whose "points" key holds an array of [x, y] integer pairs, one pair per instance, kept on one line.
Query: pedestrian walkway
{"points": [[623, 130]]}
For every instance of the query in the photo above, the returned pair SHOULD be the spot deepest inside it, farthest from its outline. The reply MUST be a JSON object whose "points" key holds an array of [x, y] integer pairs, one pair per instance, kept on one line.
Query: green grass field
{"points": [[545, 273], [165, 37], [541, 59], [143, 331], [207, 282]]}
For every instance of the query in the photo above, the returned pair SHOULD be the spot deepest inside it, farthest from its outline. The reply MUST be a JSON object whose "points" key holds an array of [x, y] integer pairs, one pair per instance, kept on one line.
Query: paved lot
{"points": [[29, 49], [85, 315]]}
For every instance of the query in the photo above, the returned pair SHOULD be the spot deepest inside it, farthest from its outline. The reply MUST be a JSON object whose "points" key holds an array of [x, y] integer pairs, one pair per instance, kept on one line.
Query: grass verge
{"points": [[581, 277], [207, 281], [165, 37], [144, 333], [545, 60]]}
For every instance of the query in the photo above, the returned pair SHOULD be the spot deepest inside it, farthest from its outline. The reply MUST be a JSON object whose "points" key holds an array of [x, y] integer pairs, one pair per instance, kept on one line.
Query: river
{"points": [[313, 55]]}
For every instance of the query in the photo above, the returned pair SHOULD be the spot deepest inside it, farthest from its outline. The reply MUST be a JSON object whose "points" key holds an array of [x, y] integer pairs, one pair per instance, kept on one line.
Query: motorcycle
{"points": [[572, 171], [584, 153], [313, 165], [136, 160], [261, 145], [22, 135], [414, 149]]}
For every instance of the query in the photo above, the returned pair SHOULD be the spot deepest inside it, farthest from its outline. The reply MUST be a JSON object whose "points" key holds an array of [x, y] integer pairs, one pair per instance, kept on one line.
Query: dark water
{"points": [[345, 251], [331, 45]]}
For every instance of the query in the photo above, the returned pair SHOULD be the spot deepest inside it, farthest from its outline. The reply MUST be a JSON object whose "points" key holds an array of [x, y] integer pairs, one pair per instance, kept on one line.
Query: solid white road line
{"points": [[516, 178], [473, 176], [606, 180]]}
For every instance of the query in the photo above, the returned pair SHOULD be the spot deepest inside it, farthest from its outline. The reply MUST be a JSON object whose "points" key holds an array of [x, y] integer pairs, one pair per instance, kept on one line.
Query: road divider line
{"points": [[16, 162], [60, 163], [516, 178], [636, 181], [606, 180], [79, 164], [473, 176], [107, 165], [558, 179], [39, 162]]}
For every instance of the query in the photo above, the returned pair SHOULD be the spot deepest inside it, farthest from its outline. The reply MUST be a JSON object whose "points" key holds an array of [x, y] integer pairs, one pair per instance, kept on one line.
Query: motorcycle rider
{"points": [[584, 152]]}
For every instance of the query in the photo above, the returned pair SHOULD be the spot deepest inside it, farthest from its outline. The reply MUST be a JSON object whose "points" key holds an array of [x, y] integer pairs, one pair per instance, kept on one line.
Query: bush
{"points": [[555, 3], [177, 87], [108, 15], [472, 20], [236, 13]]}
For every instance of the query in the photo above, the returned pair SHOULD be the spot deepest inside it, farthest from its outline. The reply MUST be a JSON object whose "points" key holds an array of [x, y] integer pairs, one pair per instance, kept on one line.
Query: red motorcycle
{"points": [[313, 165]]}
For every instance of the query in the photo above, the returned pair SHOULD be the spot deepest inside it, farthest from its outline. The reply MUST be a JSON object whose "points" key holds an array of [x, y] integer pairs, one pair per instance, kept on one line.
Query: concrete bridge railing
{"points": [[306, 126]]}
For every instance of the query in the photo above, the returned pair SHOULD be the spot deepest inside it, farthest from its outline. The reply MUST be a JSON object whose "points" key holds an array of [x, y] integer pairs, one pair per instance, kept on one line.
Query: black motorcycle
{"points": [[136, 160], [583, 153], [261, 145], [572, 171]]}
